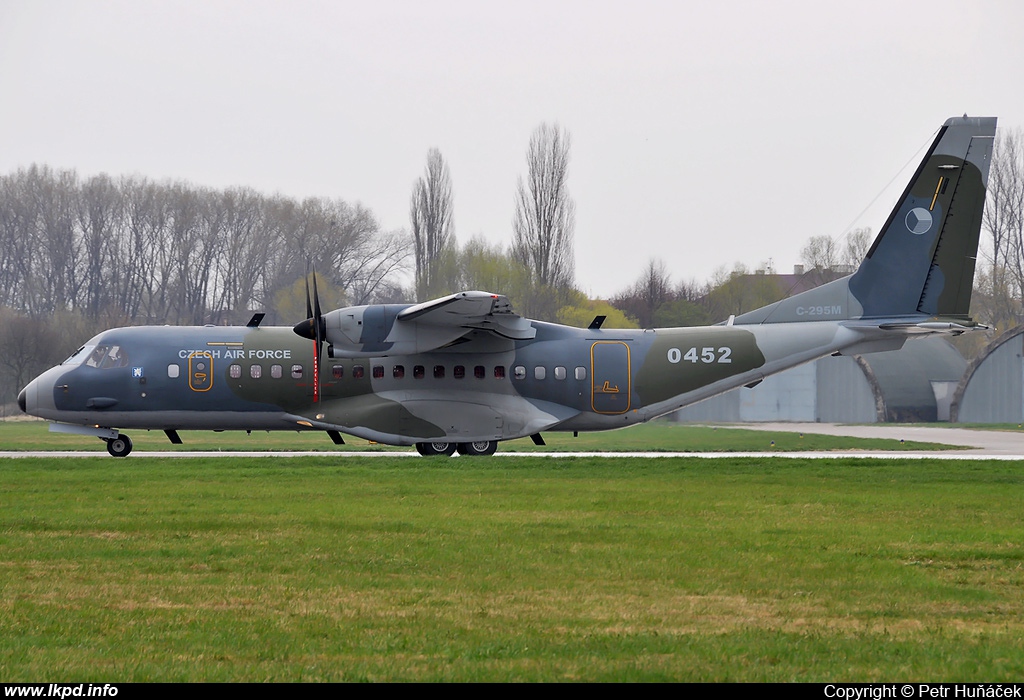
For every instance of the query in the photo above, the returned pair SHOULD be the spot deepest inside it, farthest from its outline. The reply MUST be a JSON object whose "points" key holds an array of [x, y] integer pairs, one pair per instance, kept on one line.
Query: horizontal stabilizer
{"points": [[933, 327]]}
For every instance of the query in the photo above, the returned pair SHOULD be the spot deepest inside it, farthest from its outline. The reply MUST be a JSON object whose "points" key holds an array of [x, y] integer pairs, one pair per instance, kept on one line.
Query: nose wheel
{"points": [[119, 446]]}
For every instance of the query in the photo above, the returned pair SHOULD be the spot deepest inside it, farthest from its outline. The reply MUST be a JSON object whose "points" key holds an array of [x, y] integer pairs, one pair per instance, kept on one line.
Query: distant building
{"points": [[800, 281], [992, 388], [914, 384]]}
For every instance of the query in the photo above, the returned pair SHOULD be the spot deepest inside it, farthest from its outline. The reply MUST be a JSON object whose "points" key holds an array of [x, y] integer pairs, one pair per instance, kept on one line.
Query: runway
{"points": [[976, 444], [944, 455]]}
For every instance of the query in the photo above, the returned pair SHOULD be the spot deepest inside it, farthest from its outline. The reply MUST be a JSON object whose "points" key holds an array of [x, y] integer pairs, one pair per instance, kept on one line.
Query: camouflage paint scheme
{"points": [[915, 280]]}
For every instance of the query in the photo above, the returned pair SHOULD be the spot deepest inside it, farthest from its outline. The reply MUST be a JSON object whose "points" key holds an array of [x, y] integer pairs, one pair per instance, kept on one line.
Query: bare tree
{"points": [[27, 347], [99, 219], [643, 298], [545, 214], [430, 211], [820, 253], [857, 243], [130, 250], [1003, 282], [246, 243]]}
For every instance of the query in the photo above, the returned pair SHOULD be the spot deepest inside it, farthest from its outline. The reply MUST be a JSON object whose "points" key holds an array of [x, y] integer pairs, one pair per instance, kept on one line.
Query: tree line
{"points": [[78, 255], [537, 270], [130, 250]]}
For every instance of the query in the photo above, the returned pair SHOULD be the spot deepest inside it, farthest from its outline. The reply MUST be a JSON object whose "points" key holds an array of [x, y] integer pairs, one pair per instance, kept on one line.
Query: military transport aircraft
{"points": [[465, 372]]}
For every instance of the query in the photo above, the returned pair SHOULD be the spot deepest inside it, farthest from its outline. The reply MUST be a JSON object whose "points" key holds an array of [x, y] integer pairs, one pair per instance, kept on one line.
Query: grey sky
{"points": [[702, 133]]}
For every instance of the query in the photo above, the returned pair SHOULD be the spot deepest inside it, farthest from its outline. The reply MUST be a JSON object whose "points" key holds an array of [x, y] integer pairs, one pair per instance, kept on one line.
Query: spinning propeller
{"points": [[315, 329]]}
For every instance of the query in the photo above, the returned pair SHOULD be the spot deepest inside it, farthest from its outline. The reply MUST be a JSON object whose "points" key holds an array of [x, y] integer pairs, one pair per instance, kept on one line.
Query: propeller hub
{"points": [[307, 329]]}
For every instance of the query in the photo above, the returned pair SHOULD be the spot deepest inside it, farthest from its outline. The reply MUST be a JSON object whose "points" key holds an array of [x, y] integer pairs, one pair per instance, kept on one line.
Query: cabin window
{"points": [[438, 371], [398, 372], [174, 371], [459, 372], [378, 371], [519, 372], [479, 371], [539, 372], [418, 372], [559, 372], [296, 371], [276, 371], [581, 373], [255, 371], [235, 371], [357, 371], [338, 371], [499, 372]]}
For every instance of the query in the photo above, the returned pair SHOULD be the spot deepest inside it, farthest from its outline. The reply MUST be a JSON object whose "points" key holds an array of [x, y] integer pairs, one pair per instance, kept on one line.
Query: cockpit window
{"points": [[107, 357], [78, 356]]}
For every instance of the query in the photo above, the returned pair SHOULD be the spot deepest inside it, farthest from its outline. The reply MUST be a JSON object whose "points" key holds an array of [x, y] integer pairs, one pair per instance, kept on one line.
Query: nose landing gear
{"points": [[119, 446]]}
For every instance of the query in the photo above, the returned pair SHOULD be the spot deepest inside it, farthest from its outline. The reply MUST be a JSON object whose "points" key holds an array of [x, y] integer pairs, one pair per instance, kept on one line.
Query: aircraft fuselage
{"points": [[241, 378], [465, 370]]}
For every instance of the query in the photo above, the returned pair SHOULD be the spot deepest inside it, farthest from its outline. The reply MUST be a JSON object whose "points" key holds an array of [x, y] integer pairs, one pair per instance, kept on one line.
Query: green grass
{"points": [[658, 436], [1006, 427], [510, 569]]}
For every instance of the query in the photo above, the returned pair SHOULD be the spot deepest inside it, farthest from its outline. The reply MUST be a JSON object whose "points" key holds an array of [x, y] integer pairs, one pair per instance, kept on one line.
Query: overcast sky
{"points": [[703, 133]]}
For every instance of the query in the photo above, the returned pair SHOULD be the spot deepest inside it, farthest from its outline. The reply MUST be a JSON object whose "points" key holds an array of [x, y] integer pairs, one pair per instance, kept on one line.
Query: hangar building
{"points": [[914, 384], [992, 388]]}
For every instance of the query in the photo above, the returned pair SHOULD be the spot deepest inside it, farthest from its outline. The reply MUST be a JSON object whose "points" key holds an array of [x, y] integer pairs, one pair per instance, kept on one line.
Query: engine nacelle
{"points": [[360, 331], [402, 329]]}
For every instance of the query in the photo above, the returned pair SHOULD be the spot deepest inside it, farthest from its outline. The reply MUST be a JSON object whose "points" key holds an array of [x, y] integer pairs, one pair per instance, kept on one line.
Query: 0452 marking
{"points": [[708, 356]]}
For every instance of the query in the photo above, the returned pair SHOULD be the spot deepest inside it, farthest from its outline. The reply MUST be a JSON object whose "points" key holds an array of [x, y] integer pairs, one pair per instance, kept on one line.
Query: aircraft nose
{"points": [[37, 398]]}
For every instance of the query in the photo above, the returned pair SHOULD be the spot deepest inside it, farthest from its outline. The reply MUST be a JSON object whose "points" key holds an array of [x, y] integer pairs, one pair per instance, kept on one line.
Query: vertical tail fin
{"points": [[923, 258], [922, 261]]}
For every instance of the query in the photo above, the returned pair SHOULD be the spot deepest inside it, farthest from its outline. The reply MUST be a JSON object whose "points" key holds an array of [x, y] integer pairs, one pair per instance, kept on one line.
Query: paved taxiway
{"points": [[974, 442]]}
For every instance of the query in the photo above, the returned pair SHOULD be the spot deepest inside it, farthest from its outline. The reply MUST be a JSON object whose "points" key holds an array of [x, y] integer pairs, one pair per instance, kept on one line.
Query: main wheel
{"points": [[477, 449], [120, 446], [435, 449]]}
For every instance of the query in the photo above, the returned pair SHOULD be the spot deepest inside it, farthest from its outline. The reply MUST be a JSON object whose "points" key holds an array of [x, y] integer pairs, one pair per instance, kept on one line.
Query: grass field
{"points": [[519, 568], [658, 436]]}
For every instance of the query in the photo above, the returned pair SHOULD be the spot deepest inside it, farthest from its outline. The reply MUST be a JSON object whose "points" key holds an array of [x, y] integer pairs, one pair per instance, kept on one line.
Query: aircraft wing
{"points": [[364, 331], [471, 310]]}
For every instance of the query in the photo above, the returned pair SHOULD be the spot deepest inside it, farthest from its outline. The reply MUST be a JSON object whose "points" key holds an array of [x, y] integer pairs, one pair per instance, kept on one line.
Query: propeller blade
{"points": [[309, 307], [317, 314], [319, 330]]}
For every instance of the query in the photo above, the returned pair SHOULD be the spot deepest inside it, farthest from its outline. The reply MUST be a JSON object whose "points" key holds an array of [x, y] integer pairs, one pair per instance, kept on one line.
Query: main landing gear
{"points": [[466, 449], [435, 449], [477, 449], [119, 446]]}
